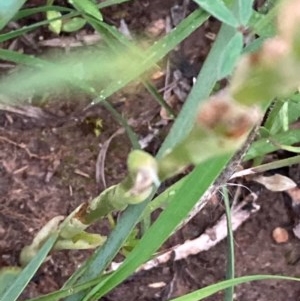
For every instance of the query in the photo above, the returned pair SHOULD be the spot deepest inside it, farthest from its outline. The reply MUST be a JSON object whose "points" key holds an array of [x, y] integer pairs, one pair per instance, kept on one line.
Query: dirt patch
{"points": [[48, 169]]}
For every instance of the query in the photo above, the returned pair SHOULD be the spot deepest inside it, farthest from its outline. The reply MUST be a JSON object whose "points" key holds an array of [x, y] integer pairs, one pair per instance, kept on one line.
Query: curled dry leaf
{"points": [[280, 235], [294, 194], [276, 182]]}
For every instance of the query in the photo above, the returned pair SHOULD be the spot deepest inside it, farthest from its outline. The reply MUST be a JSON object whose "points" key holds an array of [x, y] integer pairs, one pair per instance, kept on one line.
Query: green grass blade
{"points": [[230, 247], [219, 10], [158, 98], [63, 293], [17, 287], [205, 82], [212, 289], [156, 52], [19, 58], [167, 222], [23, 30], [27, 12], [117, 41]]}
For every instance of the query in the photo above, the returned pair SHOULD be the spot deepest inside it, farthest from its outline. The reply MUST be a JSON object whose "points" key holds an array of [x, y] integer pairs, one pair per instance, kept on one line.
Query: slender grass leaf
{"points": [[245, 11], [19, 58], [62, 293], [17, 287], [230, 247], [230, 55], [34, 10], [156, 52], [18, 32], [205, 82], [88, 7], [219, 10], [214, 288], [8, 9], [27, 12], [165, 198]]}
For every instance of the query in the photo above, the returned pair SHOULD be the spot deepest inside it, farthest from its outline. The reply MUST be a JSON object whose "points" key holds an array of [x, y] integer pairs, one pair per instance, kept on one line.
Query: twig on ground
{"points": [[205, 241], [23, 146], [71, 42], [26, 110]]}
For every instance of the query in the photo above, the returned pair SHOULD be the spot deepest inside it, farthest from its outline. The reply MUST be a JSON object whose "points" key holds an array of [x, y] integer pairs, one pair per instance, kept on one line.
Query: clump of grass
{"points": [[254, 81]]}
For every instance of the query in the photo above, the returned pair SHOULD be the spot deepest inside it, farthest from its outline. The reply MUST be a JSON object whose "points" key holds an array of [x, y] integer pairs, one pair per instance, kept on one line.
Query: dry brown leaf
{"points": [[276, 182]]}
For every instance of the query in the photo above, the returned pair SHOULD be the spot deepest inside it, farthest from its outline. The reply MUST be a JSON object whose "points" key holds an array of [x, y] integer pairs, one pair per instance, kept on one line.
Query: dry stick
{"points": [[25, 110], [205, 241], [23, 146], [71, 42], [100, 163]]}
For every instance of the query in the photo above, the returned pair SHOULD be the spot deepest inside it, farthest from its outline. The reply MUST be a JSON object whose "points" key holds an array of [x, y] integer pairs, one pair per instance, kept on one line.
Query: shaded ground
{"points": [[48, 170]]}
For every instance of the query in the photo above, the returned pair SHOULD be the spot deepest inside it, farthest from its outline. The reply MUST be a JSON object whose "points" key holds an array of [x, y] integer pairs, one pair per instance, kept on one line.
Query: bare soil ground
{"points": [[48, 169]]}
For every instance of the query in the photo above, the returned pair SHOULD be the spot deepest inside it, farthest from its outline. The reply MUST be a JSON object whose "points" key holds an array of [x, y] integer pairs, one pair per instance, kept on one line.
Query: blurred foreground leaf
{"points": [[8, 8]]}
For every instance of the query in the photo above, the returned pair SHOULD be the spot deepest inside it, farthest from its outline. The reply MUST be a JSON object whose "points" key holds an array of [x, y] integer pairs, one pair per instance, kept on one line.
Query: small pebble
{"points": [[280, 235]]}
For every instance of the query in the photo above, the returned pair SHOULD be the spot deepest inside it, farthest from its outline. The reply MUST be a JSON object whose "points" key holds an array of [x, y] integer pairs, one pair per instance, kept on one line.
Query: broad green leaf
{"points": [[8, 9], [230, 55], [56, 25], [214, 288], [17, 286], [73, 24], [219, 10], [245, 11], [88, 7]]}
